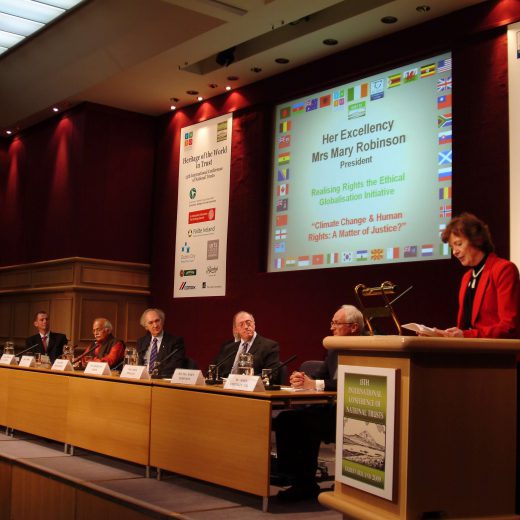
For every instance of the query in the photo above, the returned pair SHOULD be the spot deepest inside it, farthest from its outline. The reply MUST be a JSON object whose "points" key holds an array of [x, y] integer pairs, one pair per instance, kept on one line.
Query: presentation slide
{"points": [[362, 173]]}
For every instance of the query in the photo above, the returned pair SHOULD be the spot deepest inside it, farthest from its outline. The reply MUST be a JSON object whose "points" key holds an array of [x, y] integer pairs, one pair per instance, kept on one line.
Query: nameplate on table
{"points": [[184, 376], [8, 359], [62, 365], [135, 372], [27, 361], [245, 383], [97, 368]]}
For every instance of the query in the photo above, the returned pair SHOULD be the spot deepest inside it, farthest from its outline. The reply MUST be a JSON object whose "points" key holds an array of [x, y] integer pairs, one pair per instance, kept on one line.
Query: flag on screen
{"points": [[392, 252], [445, 193], [357, 92], [346, 257], [317, 259], [357, 110], [442, 227], [444, 174], [362, 255], [285, 126], [282, 205], [444, 84], [444, 101], [298, 108], [282, 190], [280, 234], [285, 112], [376, 254], [284, 141], [445, 157], [279, 247], [311, 104], [284, 158], [444, 120], [445, 211], [444, 65], [427, 250], [338, 99], [283, 174], [290, 262], [332, 258], [410, 75], [410, 251], [278, 263], [325, 100], [303, 261], [282, 220], [444, 249], [428, 70], [445, 137], [377, 89], [394, 80]]}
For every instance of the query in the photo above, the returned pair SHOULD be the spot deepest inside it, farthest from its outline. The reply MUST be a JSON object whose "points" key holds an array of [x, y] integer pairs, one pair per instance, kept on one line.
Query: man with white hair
{"points": [[300, 432]]}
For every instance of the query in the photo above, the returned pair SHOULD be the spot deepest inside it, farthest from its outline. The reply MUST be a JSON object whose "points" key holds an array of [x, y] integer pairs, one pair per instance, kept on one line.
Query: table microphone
{"points": [[155, 371], [88, 351], [275, 370], [212, 380], [28, 349]]}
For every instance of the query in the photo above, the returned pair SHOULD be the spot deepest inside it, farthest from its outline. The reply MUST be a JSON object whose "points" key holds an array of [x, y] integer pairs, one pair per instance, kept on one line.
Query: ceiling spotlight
{"points": [[8, 132], [192, 92], [212, 85], [55, 109], [200, 98], [330, 41], [422, 8], [256, 69], [389, 19], [173, 107], [228, 88], [232, 78], [282, 61]]}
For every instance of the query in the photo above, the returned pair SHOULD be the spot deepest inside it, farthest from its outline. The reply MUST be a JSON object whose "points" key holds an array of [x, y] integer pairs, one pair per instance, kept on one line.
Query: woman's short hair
{"points": [[469, 226]]}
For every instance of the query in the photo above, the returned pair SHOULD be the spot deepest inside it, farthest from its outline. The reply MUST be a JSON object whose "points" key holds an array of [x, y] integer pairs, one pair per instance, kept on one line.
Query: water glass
{"points": [[266, 377], [68, 352], [245, 364], [130, 356], [9, 348]]}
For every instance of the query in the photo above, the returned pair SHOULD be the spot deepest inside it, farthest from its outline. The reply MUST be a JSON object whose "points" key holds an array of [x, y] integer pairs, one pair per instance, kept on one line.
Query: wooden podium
{"points": [[455, 428]]}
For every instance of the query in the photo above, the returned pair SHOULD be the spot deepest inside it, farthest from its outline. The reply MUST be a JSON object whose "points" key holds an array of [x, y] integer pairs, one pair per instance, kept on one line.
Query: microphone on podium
{"points": [[212, 378], [275, 370], [86, 353], [157, 365], [20, 354]]}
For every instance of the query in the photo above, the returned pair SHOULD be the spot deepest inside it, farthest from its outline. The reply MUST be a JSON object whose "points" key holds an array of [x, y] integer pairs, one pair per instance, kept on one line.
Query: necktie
{"points": [[44, 342], [243, 348], [153, 355]]}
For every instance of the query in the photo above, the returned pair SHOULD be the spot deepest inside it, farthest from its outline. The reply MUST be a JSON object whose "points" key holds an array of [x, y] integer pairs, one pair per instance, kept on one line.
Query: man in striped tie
{"points": [[46, 342]]}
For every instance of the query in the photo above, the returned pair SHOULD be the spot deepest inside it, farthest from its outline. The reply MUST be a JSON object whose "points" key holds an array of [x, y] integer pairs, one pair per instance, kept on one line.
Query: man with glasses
{"points": [[299, 433], [266, 352]]}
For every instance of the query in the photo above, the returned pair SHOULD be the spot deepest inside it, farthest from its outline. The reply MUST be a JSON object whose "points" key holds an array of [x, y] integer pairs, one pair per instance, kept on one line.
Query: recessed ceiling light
{"points": [[212, 85], [256, 69], [55, 109], [173, 107], [232, 78], [389, 19], [200, 98], [330, 41], [422, 8], [8, 132], [228, 88], [192, 92], [282, 61]]}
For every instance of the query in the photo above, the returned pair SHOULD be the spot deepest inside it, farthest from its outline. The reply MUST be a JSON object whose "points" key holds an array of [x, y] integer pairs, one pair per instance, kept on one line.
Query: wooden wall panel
{"points": [[5, 319], [5, 491], [62, 314], [94, 307], [36, 497], [20, 323]]}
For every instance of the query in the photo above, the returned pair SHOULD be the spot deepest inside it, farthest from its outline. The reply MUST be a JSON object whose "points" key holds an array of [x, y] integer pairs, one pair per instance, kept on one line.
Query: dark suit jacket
{"points": [[57, 341], [266, 354], [496, 307], [168, 345], [329, 371]]}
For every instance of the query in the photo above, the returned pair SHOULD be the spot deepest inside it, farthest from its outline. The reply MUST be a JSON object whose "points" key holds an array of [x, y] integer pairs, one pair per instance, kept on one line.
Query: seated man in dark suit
{"points": [[266, 352], [300, 432], [48, 343], [155, 349]]}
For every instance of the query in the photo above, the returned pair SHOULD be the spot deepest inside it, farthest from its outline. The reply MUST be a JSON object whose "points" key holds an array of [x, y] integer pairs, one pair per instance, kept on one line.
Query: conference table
{"points": [[205, 432]]}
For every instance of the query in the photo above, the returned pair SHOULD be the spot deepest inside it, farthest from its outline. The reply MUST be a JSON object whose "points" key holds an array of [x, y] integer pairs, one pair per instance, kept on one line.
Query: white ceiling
{"points": [[139, 54]]}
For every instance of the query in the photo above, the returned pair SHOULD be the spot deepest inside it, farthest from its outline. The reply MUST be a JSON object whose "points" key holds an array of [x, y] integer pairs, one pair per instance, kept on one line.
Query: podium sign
{"points": [[365, 429]]}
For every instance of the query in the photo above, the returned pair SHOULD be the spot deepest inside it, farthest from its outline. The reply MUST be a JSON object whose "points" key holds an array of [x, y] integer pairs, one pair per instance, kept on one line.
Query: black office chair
{"points": [[311, 367]]}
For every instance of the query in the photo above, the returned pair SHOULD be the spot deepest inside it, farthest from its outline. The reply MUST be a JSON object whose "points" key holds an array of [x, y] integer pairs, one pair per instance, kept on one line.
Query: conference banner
{"points": [[365, 429], [202, 209]]}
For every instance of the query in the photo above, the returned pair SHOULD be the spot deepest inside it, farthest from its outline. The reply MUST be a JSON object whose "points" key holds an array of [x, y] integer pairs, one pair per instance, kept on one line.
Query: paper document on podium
{"points": [[421, 329]]}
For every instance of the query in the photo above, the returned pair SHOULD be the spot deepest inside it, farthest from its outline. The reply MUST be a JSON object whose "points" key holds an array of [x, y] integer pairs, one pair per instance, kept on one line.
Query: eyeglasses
{"points": [[338, 323]]}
